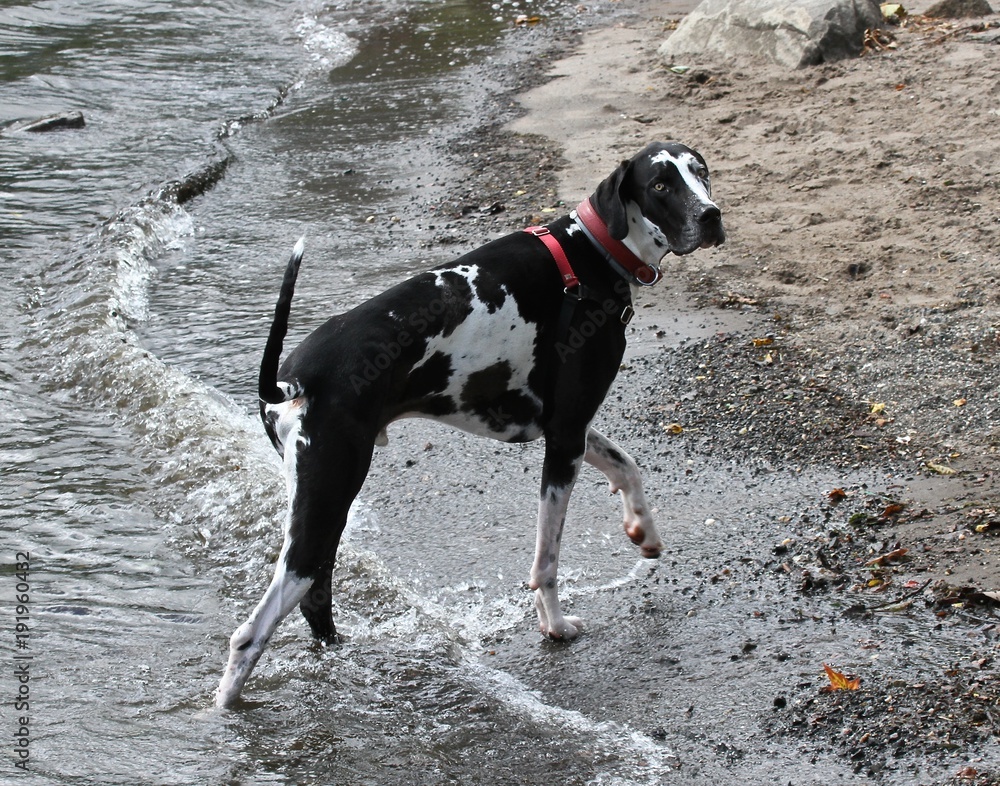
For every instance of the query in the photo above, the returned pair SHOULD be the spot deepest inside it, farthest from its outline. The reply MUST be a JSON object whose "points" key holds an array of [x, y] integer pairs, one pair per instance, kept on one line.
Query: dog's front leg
{"points": [[562, 463], [623, 475]]}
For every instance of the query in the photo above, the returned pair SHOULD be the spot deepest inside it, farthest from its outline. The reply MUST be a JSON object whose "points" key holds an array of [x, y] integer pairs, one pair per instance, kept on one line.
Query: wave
{"points": [[329, 47]]}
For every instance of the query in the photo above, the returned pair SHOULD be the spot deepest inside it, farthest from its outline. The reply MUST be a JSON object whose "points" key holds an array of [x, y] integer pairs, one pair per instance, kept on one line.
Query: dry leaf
{"points": [[892, 510], [524, 19], [763, 342], [940, 469], [885, 559], [959, 402], [674, 428], [836, 495], [877, 408], [893, 12], [838, 681]]}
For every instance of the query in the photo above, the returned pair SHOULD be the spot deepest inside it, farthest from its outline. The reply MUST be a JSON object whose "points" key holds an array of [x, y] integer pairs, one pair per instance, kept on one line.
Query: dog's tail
{"points": [[267, 383]]}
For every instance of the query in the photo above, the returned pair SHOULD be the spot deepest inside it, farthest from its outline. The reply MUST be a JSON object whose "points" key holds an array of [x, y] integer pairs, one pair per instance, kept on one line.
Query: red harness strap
{"points": [[570, 281]]}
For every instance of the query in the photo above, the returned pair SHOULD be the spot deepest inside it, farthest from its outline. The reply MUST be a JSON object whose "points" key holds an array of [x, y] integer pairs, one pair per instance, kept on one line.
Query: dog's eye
{"points": [[659, 187]]}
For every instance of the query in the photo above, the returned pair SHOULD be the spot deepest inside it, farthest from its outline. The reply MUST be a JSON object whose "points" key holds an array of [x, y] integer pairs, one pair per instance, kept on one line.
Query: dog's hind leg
{"points": [[323, 481], [623, 475], [317, 605], [559, 471], [248, 641]]}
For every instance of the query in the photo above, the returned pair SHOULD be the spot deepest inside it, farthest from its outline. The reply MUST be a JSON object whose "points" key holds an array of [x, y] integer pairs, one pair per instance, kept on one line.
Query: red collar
{"points": [[614, 250]]}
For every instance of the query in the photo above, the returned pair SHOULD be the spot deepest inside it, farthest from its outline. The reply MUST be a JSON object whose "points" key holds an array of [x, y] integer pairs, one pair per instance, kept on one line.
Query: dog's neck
{"points": [[633, 261]]}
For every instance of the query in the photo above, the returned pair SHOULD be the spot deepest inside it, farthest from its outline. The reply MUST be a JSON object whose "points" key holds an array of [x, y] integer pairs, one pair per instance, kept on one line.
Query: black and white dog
{"points": [[516, 340]]}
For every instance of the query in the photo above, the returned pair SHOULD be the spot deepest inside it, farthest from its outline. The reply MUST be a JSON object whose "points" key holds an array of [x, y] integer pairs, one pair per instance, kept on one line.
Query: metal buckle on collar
{"points": [[648, 275], [627, 314]]}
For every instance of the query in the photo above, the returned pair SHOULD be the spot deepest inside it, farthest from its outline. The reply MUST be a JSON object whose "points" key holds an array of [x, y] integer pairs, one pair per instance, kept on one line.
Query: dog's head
{"points": [[660, 201]]}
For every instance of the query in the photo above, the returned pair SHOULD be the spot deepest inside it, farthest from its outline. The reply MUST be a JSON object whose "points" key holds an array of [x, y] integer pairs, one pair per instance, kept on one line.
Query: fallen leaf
{"points": [[674, 428], [885, 559], [837, 494], [524, 19], [959, 402], [940, 469], [838, 681], [892, 12], [763, 342], [877, 408], [892, 510]]}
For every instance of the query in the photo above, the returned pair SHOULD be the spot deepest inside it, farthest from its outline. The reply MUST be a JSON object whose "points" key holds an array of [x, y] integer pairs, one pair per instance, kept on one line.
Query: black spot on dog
{"points": [[483, 388], [456, 298], [437, 406], [490, 292], [614, 455], [488, 395], [429, 377]]}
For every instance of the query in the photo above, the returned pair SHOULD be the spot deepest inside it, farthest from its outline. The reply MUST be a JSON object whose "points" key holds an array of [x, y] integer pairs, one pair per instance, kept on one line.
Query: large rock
{"points": [[957, 9], [794, 33]]}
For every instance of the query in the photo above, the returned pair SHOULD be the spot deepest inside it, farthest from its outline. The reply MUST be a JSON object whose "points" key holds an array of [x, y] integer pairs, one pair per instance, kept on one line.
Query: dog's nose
{"points": [[711, 213]]}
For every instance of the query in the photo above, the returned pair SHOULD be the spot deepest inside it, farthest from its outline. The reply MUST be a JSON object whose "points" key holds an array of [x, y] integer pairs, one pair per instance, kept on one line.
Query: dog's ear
{"points": [[611, 200]]}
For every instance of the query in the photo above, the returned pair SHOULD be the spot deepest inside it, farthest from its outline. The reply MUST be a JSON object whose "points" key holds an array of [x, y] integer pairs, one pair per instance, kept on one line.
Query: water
{"points": [[139, 484]]}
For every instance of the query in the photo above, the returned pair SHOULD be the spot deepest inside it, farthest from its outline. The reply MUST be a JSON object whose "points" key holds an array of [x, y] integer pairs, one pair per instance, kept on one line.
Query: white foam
{"points": [[329, 47], [645, 760]]}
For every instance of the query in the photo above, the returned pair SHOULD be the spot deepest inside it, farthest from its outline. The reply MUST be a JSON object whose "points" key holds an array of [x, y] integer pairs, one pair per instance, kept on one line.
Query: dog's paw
{"points": [[567, 629], [647, 540]]}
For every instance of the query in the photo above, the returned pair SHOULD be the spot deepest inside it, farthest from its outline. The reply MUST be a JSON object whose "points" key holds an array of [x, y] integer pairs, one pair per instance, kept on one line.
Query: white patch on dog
{"points": [[247, 643], [687, 165], [482, 340], [644, 239]]}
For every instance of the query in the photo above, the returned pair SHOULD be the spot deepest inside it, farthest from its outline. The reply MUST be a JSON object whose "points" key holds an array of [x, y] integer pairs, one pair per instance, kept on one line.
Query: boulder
{"points": [[957, 9], [794, 33]]}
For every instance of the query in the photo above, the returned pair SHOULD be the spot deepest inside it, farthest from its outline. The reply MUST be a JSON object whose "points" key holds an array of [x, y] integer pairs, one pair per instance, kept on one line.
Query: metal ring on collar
{"points": [[647, 276]]}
